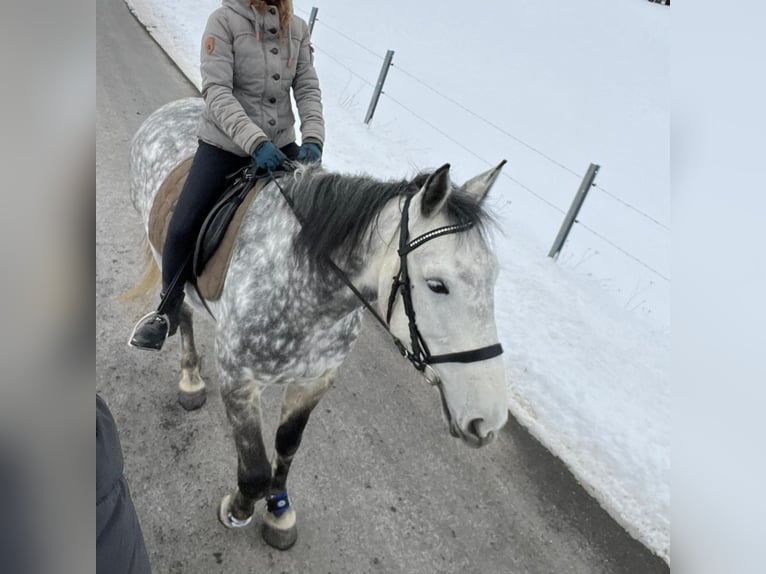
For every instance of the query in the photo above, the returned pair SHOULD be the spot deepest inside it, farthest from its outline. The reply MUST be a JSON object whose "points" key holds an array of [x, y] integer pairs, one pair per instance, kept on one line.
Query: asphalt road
{"points": [[379, 485]]}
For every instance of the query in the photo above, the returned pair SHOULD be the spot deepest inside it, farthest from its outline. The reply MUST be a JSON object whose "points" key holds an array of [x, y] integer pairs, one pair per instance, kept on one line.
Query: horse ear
{"points": [[482, 183], [436, 190]]}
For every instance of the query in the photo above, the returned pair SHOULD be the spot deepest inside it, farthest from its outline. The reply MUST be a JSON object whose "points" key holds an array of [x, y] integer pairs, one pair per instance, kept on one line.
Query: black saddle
{"points": [[217, 221]]}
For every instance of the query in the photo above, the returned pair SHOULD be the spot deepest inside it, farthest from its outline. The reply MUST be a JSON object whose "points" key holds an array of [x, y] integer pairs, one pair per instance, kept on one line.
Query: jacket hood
{"points": [[243, 8], [246, 9]]}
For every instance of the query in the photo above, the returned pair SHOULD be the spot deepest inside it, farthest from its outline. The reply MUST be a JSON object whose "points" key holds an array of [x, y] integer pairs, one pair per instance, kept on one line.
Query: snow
{"points": [[550, 86]]}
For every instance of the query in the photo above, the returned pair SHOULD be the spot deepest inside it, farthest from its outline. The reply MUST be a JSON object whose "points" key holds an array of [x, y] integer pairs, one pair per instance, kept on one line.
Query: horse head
{"points": [[450, 273]]}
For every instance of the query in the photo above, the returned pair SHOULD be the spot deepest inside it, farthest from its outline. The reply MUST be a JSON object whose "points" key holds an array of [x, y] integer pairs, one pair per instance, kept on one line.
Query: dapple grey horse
{"points": [[286, 317]]}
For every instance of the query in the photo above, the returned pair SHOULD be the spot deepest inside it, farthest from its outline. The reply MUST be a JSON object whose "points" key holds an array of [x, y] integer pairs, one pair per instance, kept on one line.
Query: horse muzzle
{"points": [[476, 433]]}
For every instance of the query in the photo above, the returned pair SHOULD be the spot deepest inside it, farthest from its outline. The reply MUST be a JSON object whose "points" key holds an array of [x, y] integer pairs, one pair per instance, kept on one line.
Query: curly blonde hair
{"points": [[285, 8]]}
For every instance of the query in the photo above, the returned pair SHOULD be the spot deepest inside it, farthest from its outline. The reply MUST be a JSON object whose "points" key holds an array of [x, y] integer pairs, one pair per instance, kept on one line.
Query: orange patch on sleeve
{"points": [[209, 44]]}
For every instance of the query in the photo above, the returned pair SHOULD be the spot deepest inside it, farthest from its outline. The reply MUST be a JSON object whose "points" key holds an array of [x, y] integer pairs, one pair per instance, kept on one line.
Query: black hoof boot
{"points": [[150, 332]]}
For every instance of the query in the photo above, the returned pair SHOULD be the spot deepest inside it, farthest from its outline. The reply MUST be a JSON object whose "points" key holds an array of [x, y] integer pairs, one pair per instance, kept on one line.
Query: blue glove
{"points": [[268, 157], [309, 153]]}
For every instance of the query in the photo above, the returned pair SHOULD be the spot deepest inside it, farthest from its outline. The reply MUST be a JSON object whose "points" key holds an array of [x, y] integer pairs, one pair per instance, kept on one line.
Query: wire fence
{"points": [[413, 77], [344, 66]]}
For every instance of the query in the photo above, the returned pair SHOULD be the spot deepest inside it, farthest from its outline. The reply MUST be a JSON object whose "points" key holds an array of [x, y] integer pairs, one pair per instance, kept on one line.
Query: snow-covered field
{"points": [[550, 86]]}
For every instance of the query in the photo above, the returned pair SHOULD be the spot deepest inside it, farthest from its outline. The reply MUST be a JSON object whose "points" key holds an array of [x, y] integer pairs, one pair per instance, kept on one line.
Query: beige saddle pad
{"points": [[210, 283]]}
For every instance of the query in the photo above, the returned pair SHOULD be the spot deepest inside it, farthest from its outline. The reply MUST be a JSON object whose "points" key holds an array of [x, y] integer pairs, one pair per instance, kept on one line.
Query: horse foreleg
{"points": [[192, 392], [243, 409], [279, 528]]}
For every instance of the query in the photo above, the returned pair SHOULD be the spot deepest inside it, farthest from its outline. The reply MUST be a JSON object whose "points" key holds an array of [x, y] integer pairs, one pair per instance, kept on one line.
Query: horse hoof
{"points": [[279, 539], [192, 401], [280, 532], [226, 518]]}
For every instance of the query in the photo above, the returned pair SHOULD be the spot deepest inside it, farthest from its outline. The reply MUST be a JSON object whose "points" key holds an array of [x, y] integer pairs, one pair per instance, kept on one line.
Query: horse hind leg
{"points": [[279, 527], [192, 391], [243, 409]]}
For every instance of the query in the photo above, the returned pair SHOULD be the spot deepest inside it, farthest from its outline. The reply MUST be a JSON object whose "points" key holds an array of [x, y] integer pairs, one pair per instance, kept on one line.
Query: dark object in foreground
{"points": [[119, 541]]}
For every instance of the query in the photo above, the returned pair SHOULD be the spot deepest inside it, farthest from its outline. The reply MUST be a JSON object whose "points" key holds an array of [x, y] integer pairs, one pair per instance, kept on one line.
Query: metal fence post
{"points": [[312, 19], [379, 85], [574, 209]]}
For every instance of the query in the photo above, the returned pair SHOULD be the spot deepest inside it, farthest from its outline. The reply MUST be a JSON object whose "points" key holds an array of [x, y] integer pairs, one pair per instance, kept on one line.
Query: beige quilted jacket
{"points": [[249, 65]]}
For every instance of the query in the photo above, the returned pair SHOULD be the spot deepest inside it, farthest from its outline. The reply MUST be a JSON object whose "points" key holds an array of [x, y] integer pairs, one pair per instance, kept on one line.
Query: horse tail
{"points": [[146, 285]]}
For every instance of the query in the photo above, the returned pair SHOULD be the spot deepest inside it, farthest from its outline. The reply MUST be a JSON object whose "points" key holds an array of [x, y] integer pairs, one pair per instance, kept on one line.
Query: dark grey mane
{"points": [[338, 209]]}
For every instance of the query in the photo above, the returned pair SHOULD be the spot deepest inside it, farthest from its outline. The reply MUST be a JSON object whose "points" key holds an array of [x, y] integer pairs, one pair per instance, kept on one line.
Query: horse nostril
{"points": [[476, 428]]}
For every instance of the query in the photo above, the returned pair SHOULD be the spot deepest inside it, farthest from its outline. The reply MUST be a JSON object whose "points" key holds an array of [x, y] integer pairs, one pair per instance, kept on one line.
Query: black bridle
{"points": [[419, 354]]}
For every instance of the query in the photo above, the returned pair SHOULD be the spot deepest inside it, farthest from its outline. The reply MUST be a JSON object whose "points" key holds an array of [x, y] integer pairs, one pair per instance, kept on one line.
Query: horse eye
{"points": [[437, 286]]}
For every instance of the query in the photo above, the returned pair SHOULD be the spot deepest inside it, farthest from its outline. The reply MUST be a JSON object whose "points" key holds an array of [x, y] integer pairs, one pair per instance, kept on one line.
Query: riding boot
{"points": [[151, 330]]}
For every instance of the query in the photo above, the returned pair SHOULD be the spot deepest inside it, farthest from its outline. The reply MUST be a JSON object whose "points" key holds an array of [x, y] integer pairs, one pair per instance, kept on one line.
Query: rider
{"points": [[253, 53]]}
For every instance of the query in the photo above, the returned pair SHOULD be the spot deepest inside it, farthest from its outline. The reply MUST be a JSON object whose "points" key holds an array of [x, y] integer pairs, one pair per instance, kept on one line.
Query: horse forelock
{"points": [[339, 209]]}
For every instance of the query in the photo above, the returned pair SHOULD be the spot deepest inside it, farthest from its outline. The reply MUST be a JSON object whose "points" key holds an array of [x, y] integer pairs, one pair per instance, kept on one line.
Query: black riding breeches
{"points": [[205, 184]]}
